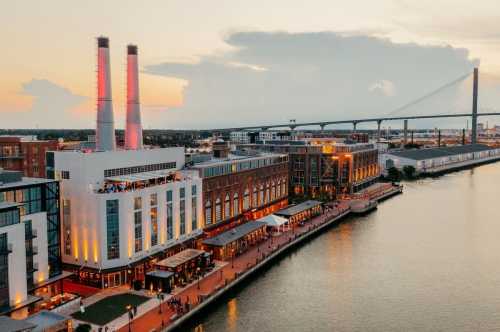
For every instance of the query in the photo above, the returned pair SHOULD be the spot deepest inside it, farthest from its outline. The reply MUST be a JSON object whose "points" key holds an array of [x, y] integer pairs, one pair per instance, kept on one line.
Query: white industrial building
{"points": [[122, 207], [434, 160]]}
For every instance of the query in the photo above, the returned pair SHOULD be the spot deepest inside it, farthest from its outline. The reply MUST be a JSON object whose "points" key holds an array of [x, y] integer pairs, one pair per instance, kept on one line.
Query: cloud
{"points": [[384, 87], [312, 77], [51, 105]]}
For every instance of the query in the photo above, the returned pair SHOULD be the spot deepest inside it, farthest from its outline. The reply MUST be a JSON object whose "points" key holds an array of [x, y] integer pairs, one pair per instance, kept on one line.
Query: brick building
{"points": [[323, 166], [237, 188], [26, 154]]}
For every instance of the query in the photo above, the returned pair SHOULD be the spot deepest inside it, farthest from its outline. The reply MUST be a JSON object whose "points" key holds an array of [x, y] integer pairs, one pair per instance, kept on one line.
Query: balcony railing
{"points": [[33, 268], [31, 251]]}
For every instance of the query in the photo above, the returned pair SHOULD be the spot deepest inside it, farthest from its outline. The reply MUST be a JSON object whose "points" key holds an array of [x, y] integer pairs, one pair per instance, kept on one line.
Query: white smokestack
{"points": [[105, 131], [133, 128]]}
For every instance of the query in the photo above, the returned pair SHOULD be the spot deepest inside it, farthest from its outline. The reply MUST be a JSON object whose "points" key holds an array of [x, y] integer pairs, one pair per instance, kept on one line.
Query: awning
{"points": [[273, 220], [180, 258]]}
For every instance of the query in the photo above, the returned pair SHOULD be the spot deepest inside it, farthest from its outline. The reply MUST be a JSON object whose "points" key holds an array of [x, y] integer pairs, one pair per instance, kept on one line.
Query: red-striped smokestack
{"points": [[105, 130], [133, 130]]}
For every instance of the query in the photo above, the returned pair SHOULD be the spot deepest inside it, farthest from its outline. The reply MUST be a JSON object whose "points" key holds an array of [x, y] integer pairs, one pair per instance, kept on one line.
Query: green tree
{"points": [[409, 171], [393, 174], [83, 328]]}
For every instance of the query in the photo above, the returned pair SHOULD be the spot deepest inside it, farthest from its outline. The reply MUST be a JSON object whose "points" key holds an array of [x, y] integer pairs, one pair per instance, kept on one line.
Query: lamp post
{"points": [[232, 258], [159, 294], [198, 273], [130, 316]]}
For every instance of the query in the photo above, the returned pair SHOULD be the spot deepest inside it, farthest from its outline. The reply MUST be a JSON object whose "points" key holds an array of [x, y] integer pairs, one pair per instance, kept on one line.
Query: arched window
{"points": [[218, 210], [236, 205], [254, 197], [283, 187], [278, 189], [266, 196], [227, 207], [261, 194], [208, 212], [273, 191], [246, 200]]}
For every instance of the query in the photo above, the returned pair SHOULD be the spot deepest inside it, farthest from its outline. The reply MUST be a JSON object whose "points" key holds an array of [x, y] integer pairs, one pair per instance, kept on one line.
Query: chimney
{"points": [[105, 131], [133, 127]]}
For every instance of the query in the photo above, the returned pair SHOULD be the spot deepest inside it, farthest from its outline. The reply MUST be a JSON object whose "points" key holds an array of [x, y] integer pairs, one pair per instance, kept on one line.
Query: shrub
{"points": [[83, 328]]}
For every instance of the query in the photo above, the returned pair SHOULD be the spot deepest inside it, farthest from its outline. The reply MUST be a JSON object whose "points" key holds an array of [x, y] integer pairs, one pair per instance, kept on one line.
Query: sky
{"points": [[213, 64]]}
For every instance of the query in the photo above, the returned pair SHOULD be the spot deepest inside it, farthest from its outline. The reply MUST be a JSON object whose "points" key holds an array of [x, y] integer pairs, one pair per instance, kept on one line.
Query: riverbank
{"points": [[199, 295]]}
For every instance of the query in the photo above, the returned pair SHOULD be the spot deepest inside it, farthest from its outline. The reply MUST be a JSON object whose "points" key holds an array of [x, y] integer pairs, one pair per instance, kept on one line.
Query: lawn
{"points": [[108, 309]]}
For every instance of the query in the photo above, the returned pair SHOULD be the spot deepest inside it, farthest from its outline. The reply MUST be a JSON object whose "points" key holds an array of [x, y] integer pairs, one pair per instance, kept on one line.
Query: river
{"points": [[426, 260]]}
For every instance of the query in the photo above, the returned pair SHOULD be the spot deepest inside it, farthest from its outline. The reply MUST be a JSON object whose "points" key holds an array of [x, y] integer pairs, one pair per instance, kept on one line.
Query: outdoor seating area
{"points": [[301, 212], [136, 181], [235, 241], [185, 267]]}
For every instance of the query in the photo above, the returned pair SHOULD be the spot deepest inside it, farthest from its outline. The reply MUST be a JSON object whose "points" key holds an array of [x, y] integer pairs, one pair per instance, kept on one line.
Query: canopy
{"points": [[273, 220]]}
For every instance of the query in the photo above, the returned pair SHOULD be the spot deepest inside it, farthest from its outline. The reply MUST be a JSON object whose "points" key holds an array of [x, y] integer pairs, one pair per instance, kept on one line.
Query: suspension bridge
{"points": [[393, 115]]}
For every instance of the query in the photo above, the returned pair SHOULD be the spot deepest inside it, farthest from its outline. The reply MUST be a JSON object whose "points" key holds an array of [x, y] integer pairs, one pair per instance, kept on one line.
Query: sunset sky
{"points": [[225, 63]]}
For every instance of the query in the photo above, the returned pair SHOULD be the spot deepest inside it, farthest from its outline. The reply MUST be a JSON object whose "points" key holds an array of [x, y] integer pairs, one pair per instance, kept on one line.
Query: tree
{"points": [[409, 171], [83, 328], [393, 174]]}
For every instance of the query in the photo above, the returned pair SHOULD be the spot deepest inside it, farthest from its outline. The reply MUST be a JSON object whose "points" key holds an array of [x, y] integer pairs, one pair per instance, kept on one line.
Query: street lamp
{"points": [[159, 294], [130, 317], [232, 258], [198, 273]]}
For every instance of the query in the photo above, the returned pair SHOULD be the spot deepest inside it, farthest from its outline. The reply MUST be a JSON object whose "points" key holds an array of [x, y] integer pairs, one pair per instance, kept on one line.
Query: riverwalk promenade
{"points": [[199, 294]]}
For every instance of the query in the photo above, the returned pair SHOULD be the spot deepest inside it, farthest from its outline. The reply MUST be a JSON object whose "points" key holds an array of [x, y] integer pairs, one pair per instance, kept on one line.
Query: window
{"points": [[193, 190], [218, 210], [266, 197], [112, 229], [67, 225], [9, 217], [137, 203], [4, 270], [154, 226], [278, 189], [194, 212], [182, 221], [182, 192], [208, 212], [139, 169], [236, 205], [246, 200], [261, 194], [153, 200], [65, 175], [170, 221], [254, 197], [138, 230], [273, 191], [227, 207]]}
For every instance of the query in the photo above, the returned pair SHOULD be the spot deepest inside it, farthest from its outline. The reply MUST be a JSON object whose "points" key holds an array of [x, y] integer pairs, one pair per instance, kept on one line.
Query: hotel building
{"points": [[123, 209], [30, 257], [325, 166], [241, 187]]}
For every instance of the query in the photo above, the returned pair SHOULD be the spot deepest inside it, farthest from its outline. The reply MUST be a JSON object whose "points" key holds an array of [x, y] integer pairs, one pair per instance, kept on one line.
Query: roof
{"points": [[422, 154], [234, 234], [180, 258], [13, 325], [273, 220], [26, 182], [160, 274], [233, 157], [293, 210]]}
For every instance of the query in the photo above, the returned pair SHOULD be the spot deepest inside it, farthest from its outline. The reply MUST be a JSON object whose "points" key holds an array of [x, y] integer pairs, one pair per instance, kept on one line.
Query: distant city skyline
{"points": [[230, 63]]}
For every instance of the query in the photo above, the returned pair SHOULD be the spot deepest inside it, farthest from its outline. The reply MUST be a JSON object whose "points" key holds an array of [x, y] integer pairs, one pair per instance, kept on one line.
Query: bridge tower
{"points": [[474, 107]]}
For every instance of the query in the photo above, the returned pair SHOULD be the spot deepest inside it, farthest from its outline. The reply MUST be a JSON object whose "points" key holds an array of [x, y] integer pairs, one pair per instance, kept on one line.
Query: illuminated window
{"points": [[261, 194], [218, 210], [246, 200], [154, 226], [138, 230], [208, 212], [227, 207], [255, 202], [67, 225], [236, 204]]}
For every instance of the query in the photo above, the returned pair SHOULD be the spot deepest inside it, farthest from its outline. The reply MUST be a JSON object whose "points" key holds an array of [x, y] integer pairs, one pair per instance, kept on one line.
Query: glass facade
{"points": [[4, 271], [67, 226], [30, 252], [138, 230], [113, 228], [194, 213], [154, 226], [182, 208], [9, 217], [170, 216]]}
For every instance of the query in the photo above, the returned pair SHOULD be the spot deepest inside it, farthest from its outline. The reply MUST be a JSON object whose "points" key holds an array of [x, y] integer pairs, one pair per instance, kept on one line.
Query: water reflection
{"points": [[426, 260]]}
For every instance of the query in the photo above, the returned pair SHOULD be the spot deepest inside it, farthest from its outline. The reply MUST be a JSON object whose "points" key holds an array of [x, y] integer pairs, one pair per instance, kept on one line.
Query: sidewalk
{"points": [[153, 320]]}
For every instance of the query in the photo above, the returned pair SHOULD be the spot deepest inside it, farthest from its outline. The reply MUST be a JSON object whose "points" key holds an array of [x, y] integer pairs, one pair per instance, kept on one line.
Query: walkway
{"points": [[190, 296]]}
